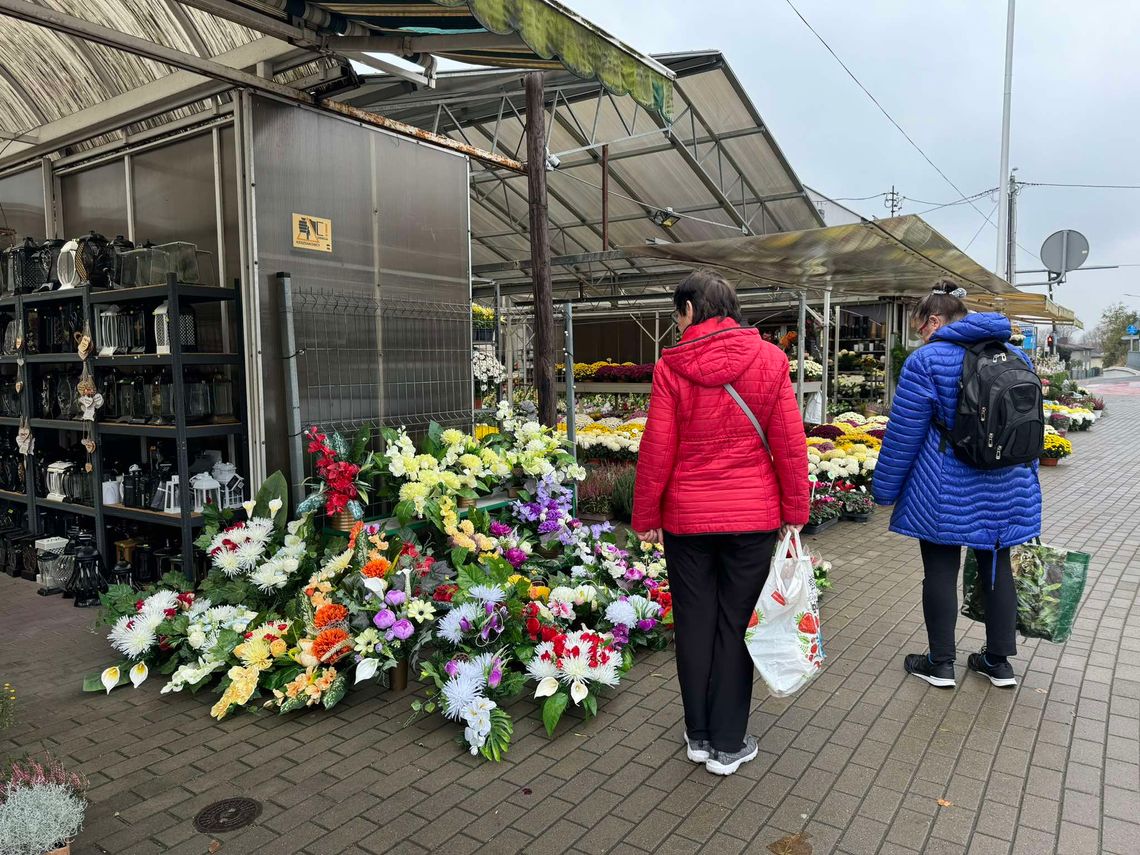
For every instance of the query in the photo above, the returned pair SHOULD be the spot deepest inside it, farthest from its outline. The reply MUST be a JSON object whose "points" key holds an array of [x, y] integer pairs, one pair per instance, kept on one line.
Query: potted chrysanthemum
{"points": [[1056, 448]]}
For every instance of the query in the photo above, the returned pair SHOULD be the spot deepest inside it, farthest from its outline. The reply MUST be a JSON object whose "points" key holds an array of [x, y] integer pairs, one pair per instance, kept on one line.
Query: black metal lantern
{"points": [[134, 487], [32, 331], [47, 257], [135, 325], [11, 333], [9, 398], [24, 273], [145, 566], [187, 329], [109, 389], [92, 260], [90, 574]]}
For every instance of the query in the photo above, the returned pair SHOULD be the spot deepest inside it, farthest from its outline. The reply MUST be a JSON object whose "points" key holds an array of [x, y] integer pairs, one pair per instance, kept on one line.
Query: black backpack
{"points": [[1000, 420]]}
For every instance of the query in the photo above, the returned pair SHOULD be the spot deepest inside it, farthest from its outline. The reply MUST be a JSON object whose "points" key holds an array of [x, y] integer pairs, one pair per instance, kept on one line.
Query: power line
{"points": [[979, 231], [858, 198], [1086, 186], [882, 109]]}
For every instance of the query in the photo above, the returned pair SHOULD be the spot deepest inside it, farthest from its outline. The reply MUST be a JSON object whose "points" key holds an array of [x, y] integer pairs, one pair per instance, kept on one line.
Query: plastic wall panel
{"points": [[94, 200], [22, 205]]}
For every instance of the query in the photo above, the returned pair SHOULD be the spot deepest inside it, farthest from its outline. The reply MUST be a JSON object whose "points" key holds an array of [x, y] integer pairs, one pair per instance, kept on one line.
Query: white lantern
{"points": [[110, 331], [207, 491], [172, 503], [231, 485], [162, 327], [57, 480]]}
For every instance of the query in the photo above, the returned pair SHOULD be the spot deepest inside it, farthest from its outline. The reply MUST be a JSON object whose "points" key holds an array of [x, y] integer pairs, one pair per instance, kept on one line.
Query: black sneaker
{"points": [[999, 673], [939, 674], [723, 763]]}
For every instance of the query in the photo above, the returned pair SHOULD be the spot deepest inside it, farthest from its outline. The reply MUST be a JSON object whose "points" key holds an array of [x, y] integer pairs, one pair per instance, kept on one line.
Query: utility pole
{"points": [[540, 251], [893, 201], [1003, 180], [1011, 229]]}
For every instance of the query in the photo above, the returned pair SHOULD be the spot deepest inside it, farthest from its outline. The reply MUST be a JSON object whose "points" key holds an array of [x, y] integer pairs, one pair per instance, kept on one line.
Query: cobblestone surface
{"points": [[859, 760]]}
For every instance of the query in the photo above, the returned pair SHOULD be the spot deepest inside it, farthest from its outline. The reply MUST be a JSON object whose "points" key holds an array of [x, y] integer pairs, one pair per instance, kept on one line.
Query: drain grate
{"points": [[227, 815]]}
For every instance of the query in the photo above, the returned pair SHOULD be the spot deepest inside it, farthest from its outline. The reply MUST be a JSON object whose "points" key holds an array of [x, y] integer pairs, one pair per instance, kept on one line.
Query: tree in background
{"points": [[1107, 335]]}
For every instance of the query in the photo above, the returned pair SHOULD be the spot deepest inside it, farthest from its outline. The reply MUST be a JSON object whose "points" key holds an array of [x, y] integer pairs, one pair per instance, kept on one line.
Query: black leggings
{"points": [[940, 600], [716, 580]]}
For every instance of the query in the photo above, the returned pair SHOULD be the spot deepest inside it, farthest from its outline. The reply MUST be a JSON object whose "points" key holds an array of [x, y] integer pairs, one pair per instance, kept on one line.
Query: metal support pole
{"points": [[1003, 178], [568, 361], [656, 336], [888, 361], [826, 343], [605, 198], [801, 340], [292, 387], [540, 250]]}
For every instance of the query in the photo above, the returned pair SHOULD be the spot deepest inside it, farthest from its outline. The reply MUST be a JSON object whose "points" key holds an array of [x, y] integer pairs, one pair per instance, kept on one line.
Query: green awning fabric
{"points": [[558, 36]]}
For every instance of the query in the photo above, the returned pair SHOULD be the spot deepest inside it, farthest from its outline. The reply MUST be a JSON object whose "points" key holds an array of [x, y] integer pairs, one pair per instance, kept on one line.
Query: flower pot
{"points": [[462, 502], [821, 527], [1050, 461], [398, 676], [342, 521], [548, 551], [65, 849], [854, 517], [482, 334]]}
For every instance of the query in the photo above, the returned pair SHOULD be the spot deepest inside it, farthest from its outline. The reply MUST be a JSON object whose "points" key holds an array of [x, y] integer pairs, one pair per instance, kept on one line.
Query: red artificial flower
{"points": [[163, 644], [533, 628], [342, 478], [410, 549], [444, 593], [170, 612], [139, 605]]}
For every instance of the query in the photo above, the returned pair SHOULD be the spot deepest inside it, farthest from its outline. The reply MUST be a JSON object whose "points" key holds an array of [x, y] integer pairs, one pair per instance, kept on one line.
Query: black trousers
{"points": [[941, 565], [716, 580]]}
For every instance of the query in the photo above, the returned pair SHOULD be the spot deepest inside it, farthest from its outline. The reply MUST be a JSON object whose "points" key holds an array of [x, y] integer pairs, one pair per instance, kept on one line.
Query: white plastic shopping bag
{"points": [[784, 633]]}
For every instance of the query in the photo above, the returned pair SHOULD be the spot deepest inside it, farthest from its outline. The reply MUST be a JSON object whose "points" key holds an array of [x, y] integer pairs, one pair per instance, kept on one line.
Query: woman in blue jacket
{"points": [[945, 503]]}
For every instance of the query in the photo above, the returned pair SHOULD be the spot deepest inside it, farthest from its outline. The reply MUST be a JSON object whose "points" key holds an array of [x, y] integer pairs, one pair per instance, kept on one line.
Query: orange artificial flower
{"points": [[329, 641], [377, 568], [329, 613], [356, 530]]}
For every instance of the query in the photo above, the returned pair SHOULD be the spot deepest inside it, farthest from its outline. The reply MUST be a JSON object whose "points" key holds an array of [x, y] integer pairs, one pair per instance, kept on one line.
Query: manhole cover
{"points": [[227, 815]]}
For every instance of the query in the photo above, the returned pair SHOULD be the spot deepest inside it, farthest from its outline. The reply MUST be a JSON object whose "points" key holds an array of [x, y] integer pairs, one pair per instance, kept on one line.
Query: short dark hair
{"points": [[711, 296], [943, 301]]}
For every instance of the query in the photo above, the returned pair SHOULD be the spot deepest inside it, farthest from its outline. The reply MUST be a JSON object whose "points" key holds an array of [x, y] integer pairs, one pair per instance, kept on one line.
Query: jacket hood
{"points": [[977, 326], [714, 352]]}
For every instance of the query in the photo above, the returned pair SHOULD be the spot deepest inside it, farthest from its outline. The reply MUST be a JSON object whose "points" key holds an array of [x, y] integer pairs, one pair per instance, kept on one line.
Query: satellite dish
{"points": [[1064, 251]]}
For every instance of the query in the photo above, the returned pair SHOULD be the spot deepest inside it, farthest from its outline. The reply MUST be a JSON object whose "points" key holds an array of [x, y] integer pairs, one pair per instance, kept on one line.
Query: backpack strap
{"points": [[728, 387]]}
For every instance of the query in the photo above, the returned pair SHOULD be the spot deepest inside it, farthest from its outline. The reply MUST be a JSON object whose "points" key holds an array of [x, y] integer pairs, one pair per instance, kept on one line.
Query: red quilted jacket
{"points": [[702, 468]]}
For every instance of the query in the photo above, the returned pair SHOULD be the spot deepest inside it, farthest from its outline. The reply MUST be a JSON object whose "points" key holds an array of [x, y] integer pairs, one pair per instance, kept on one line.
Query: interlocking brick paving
{"points": [[858, 760]]}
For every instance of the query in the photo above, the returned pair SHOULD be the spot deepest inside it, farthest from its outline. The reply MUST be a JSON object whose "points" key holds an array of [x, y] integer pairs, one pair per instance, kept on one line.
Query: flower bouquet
{"points": [[573, 666], [1056, 448], [344, 472]]}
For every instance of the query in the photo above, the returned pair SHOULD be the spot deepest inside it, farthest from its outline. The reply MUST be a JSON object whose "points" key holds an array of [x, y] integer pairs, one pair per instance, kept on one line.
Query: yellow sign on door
{"points": [[312, 233]]}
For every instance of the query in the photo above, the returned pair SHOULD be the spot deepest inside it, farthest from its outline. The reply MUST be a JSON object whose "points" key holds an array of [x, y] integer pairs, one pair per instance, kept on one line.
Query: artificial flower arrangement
{"points": [[343, 472]]}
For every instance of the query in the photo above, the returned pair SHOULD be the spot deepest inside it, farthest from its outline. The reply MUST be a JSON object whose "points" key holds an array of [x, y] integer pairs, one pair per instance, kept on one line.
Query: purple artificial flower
{"points": [[403, 629], [549, 526], [495, 675], [634, 574], [499, 529], [621, 634], [465, 624], [451, 668], [384, 619], [516, 557], [646, 624], [395, 598]]}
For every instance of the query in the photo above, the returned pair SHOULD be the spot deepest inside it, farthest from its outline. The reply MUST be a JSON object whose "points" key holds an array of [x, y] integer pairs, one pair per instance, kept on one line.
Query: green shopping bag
{"points": [[1049, 582]]}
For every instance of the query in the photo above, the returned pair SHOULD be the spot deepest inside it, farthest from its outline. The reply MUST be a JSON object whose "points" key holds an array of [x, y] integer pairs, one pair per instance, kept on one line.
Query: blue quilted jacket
{"points": [[936, 496]]}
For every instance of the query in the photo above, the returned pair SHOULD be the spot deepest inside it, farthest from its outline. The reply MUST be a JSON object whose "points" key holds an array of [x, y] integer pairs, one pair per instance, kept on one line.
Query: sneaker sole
{"points": [[1000, 682], [938, 682], [729, 768]]}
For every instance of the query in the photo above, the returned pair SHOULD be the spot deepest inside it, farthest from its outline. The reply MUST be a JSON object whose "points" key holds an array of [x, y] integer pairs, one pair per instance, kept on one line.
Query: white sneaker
{"points": [[699, 751], [723, 763]]}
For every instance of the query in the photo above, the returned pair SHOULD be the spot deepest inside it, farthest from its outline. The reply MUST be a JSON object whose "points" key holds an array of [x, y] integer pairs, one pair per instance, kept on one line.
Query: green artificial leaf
{"points": [[524, 653], [470, 575], [590, 705], [356, 509], [228, 639], [459, 556], [405, 512], [292, 704], [175, 582], [626, 658], [311, 503], [334, 693], [360, 444], [499, 739], [552, 711], [273, 487], [282, 677], [435, 431], [93, 682], [169, 666]]}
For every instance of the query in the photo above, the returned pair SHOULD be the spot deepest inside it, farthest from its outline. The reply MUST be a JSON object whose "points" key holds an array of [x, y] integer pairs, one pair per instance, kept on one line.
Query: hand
{"points": [[787, 529], [654, 535]]}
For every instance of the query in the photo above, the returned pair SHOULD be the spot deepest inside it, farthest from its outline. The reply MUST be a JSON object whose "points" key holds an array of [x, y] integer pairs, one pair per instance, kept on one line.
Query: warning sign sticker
{"points": [[311, 232]]}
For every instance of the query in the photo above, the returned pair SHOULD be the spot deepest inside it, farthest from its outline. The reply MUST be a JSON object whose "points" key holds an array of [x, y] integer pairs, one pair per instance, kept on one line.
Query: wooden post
{"points": [[540, 251]]}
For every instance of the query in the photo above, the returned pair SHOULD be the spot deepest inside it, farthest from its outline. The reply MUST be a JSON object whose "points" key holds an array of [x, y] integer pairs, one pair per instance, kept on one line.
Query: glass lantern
{"points": [[157, 410], [118, 250], [109, 389], [65, 398], [48, 400], [222, 395], [135, 329], [181, 259], [11, 333], [172, 500], [198, 407], [231, 485], [32, 332], [58, 481], [207, 491]]}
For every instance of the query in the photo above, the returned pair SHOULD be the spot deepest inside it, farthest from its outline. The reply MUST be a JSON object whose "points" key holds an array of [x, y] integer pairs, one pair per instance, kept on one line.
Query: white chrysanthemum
{"points": [[132, 637], [606, 674], [338, 563], [477, 665], [449, 628], [575, 668], [269, 577], [621, 612], [287, 565], [160, 601], [488, 593], [540, 669], [228, 563], [221, 614], [200, 606], [459, 693]]}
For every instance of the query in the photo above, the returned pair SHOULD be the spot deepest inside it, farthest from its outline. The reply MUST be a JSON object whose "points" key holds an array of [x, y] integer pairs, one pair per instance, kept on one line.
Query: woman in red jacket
{"points": [[709, 490]]}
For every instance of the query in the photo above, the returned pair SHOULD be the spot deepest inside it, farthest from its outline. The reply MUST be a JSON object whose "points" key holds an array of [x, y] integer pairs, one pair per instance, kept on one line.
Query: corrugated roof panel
{"points": [[793, 214], [662, 179], [756, 157], [716, 101]]}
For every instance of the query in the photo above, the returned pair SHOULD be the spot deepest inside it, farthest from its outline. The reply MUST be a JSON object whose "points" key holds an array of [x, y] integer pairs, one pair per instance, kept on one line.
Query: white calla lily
{"points": [[547, 687], [274, 506], [366, 670], [578, 691], [139, 673], [375, 585], [110, 678], [249, 506]]}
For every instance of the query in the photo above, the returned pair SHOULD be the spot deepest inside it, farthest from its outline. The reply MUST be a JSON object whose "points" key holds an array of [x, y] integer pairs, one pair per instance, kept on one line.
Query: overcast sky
{"points": [[937, 66]]}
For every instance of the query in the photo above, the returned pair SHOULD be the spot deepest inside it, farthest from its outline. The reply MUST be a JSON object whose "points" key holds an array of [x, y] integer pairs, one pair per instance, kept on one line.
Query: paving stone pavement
{"points": [[859, 759]]}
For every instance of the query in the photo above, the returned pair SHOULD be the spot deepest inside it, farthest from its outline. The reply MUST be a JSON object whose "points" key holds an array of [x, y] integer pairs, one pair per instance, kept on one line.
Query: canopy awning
{"points": [[900, 257], [552, 36]]}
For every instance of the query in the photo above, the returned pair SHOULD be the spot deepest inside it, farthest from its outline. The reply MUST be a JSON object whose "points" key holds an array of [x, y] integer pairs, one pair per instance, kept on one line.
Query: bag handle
{"points": [[728, 387]]}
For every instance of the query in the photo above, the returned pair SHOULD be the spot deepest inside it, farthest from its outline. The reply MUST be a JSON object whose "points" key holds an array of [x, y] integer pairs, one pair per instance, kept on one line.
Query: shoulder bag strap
{"points": [[728, 387]]}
